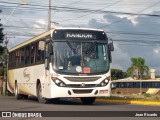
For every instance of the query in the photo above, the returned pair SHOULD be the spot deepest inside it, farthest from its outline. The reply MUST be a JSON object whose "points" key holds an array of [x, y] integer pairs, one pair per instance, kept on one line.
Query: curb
{"points": [[136, 102]]}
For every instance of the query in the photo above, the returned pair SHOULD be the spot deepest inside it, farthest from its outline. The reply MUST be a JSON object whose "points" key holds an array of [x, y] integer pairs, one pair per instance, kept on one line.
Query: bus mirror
{"points": [[111, 46], [41, 45], [110, 57]]}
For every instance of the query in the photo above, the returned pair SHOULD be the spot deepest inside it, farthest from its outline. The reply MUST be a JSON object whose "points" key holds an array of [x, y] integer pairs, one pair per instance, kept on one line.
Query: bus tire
{"points": [[39, 95], [16, 92], [88, 100]]}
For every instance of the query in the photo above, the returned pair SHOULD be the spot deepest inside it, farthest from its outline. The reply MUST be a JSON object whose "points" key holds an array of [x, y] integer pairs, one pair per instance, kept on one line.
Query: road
{"points": [[9, 103]]}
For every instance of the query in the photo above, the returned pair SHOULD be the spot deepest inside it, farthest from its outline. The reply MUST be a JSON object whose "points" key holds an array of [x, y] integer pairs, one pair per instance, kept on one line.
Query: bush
{"points": [[147, 95]]}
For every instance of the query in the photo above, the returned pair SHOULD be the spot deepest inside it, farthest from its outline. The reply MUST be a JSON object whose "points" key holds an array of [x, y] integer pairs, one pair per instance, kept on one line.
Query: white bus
{"points": [[62, 63]]}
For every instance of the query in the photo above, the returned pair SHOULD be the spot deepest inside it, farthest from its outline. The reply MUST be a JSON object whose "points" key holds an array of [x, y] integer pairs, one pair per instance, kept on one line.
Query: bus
{"points": [[61, 63], [131, 86]]}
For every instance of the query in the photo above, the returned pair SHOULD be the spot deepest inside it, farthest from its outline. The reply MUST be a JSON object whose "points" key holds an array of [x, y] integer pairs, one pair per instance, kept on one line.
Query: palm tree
{"points": [[138, 65]]}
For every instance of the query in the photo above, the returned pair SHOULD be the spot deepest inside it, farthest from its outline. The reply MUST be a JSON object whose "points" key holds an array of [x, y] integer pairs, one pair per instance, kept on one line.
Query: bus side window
{"points": [[10, 60], [22, 59], [27, 55], [33, 55], [40, 53], [17, 58]]}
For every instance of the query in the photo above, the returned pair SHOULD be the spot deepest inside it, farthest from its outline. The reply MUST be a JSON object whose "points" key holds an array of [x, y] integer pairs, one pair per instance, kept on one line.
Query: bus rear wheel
{"points": [[88, 100], [16, 92], [41, 99]]}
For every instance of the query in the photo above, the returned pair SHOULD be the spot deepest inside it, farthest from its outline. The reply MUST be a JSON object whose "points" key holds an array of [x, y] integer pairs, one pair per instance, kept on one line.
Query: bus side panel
{"points": [[27, 78], [10, 81]]}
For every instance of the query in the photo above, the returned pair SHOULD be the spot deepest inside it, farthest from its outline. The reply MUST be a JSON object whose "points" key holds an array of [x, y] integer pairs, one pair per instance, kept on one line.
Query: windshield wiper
{"points": [[72, 48]]}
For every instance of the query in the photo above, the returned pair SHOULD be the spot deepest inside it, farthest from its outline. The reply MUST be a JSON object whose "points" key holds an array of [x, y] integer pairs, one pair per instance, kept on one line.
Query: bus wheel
{"points": [[88, 100], [39, 95], [17, 95]]}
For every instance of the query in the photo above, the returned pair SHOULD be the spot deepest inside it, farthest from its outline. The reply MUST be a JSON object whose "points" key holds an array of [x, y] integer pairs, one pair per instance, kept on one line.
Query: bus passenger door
{"points": [[47, 82]]}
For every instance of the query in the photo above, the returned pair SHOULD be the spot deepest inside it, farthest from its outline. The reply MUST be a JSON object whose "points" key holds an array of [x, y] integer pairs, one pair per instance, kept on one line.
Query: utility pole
{"points": [[5, 64], [49, 15]]}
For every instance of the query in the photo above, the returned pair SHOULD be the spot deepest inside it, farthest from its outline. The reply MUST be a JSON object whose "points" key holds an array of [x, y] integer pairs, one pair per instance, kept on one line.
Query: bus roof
{"points": [[47, 33], [70, 28], [31, 40]]}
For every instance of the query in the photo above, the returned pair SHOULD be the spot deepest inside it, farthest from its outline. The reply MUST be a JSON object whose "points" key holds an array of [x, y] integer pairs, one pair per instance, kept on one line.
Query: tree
{"points": [[1, 60], [138, 66], [1, 48], [1, 32], [117, 74]]}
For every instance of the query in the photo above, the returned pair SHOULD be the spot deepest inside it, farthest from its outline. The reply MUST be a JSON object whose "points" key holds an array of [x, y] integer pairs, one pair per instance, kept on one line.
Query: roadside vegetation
{"points": [[145, 97], [137, 70]]}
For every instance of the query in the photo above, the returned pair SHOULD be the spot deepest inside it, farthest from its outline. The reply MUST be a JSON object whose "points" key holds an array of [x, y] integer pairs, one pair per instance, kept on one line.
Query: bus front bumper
{"points": [[59, 92]]}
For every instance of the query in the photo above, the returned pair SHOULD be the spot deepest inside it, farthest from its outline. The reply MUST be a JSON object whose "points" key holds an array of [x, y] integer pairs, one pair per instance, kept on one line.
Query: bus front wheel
{"points": [[88, 100], [16, 92], [41, 99]]}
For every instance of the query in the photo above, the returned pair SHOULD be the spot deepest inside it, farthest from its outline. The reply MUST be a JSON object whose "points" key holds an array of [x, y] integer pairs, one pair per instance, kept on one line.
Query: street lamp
{"points": [[22, 3]]}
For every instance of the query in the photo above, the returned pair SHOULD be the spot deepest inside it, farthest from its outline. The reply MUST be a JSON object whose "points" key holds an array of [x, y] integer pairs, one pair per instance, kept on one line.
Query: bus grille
{"points": [[80, 85], [82, 79], [82, 91]]}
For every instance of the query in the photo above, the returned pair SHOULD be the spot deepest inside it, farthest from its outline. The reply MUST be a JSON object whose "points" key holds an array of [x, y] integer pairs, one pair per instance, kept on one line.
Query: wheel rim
{"points": [[16, 90]]}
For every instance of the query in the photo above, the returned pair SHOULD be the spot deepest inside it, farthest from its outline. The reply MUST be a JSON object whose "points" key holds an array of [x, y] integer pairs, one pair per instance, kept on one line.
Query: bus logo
{"points": [[83, 85], [26, 74]]}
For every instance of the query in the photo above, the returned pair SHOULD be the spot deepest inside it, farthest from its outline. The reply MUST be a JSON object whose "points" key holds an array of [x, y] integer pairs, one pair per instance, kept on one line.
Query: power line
{"points": [[138, 12], [72, 9], [74, 3], [91, 12], [131, 33], [95, 11], [23, 27]]}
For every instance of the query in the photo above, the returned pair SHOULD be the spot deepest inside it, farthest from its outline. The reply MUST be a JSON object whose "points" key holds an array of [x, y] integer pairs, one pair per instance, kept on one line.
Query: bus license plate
{"points": [[103, 91]]}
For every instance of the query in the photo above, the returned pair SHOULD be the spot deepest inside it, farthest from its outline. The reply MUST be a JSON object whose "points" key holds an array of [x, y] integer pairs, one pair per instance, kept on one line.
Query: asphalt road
{"points": [[11, 104]]}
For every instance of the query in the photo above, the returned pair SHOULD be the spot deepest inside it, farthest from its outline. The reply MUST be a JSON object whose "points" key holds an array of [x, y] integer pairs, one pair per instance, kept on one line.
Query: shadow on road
{"points": [[69, 101]]}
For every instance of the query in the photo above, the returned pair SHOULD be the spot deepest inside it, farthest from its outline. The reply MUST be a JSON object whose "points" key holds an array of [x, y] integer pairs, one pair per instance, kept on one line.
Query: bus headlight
{"points": [[104, 82], [58, 82]]}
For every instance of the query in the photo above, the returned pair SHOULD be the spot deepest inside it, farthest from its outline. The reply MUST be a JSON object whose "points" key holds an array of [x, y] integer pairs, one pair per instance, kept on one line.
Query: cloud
{"points": [[120, 58], [115, 25], [156, 50], [139, 43], [41, 22], [28, 30]]}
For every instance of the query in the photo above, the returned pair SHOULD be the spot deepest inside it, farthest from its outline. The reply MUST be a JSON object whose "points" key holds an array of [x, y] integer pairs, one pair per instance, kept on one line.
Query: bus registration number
{"points": [[103, 91]]}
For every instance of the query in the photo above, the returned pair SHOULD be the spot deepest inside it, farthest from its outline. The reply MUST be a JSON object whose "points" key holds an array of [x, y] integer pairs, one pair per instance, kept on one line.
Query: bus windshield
{"points": [[80, 57]]}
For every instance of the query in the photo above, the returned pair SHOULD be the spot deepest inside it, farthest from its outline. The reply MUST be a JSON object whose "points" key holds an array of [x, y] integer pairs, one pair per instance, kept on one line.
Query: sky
{"points": [[133, 25]]}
